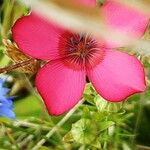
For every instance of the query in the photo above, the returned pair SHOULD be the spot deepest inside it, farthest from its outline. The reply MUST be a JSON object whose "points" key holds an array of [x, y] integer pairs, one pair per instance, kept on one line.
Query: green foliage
{"points": [[11, 11], [83, 131], [96, 124]]}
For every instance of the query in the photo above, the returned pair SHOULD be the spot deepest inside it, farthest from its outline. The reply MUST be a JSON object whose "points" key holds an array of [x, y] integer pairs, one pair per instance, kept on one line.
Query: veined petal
{"points": [[118, 76], [37, 37], [125, 20], [60, 87]]}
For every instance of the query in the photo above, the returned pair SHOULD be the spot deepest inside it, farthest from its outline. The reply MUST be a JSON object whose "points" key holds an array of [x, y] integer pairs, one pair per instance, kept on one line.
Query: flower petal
{"points": [[60, 87], [6, 112], [37, 37], [118, 76], [124, 19], [90, 3]]}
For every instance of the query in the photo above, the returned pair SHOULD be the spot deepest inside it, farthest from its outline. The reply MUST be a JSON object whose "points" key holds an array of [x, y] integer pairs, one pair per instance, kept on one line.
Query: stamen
{"points": [[80, 51]]}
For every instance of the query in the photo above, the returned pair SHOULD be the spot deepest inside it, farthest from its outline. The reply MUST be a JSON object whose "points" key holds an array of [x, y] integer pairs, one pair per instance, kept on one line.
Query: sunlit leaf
{"points": [[84, 131], [105, 125]]}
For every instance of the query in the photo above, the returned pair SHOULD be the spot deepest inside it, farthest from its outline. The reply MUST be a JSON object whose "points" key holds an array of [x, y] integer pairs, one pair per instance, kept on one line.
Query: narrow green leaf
{"points": [[105, 125]]}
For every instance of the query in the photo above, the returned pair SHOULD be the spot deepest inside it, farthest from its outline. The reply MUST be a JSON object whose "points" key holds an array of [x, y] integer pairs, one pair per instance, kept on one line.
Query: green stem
{"points": [[30, 125], [138, 120], [106, 133], [12, 140], [55, 128]]}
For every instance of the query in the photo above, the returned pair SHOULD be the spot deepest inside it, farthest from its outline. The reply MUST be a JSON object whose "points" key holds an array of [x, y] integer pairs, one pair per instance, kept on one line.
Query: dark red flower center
{"points": [[79, 51]]}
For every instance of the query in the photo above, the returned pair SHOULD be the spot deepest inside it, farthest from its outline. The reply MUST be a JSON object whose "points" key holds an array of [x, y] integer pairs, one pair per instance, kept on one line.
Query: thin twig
{"points": [[16, 66], [30, 125], [54, 129]]}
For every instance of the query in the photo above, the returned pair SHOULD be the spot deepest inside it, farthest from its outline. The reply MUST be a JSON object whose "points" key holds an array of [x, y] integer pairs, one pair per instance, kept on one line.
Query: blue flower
{"points": [[6, 104]]}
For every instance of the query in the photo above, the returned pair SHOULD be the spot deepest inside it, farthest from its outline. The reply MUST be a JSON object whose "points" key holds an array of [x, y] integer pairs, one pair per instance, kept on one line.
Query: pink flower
{"points": [[115, 75]]}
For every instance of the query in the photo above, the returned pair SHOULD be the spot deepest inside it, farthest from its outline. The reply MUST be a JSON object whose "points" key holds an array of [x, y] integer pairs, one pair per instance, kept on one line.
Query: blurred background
{"points": [[94, 124]]}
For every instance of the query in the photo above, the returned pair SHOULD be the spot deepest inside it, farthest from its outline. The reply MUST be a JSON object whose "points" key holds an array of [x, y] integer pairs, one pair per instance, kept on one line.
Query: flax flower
{"points": [[6, 104], [72, 57]]}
